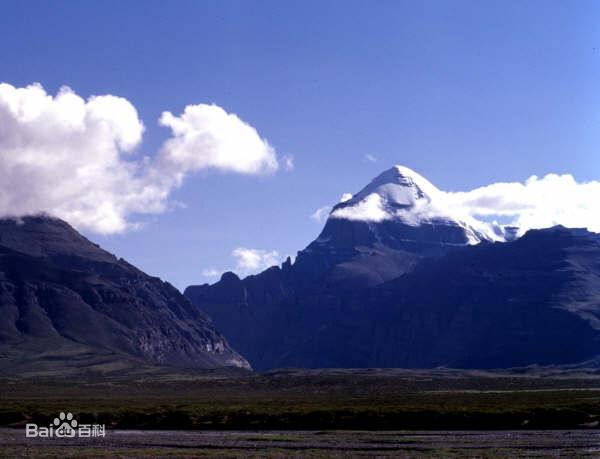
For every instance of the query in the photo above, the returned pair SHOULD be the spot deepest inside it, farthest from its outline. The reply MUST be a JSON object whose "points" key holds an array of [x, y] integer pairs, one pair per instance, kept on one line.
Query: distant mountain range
{"points": [[67, 305], [394, 280]]}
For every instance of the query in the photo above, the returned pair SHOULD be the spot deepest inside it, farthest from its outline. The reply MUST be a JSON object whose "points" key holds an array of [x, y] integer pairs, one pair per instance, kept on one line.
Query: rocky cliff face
{"points": [[395, 284], [58, 291]]}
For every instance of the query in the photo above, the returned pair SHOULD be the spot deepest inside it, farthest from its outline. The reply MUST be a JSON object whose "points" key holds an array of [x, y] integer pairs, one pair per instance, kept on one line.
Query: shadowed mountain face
{"points": [[404, 292], [65, 301]]}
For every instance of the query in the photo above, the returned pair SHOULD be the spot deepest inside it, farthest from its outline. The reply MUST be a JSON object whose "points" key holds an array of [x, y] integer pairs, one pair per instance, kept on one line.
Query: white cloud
{"points": [[321, 214], [247, 261], [536, 203], [206, 136], [369, 209], [250, 261], [75, 158], [371, 158]]}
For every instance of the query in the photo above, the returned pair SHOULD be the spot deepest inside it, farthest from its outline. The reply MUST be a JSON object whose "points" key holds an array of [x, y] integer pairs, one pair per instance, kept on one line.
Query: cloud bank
{"points": [[535, 203], [75, 158]]}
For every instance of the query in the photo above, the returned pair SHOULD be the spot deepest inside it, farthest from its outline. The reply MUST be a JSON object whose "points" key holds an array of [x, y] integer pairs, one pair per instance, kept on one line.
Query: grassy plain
{"points": [[378, 399]]}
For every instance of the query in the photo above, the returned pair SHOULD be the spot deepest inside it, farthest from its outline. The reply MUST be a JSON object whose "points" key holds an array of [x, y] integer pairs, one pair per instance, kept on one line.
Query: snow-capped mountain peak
{"points": [[399, 185], [397, 193], [402, 195]]}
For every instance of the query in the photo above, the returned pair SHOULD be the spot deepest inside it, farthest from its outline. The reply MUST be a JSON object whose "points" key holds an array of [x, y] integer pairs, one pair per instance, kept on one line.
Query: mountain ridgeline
{"points": [[391, 283], [395, 279], [68, 305]]}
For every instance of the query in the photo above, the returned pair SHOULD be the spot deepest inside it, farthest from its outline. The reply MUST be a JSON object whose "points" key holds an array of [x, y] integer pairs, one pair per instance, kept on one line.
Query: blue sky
{"points": [[466, 93]]}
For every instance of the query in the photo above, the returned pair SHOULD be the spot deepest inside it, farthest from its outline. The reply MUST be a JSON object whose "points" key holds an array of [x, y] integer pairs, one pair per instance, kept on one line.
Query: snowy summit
{"points": [[402, 195]]}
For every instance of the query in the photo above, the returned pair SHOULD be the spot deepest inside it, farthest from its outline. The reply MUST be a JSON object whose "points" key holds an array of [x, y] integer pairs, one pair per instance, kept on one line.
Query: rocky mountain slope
{"points": [[399, 285], [384, 229], [65, 301]]}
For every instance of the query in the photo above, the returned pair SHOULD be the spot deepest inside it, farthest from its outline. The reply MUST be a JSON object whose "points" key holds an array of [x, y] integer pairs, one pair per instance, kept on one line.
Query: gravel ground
{"points": [[137, 443]]}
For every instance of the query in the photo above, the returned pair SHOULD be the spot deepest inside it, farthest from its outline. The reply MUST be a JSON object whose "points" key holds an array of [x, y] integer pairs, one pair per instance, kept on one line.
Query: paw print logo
{"points": [[65, 425]]}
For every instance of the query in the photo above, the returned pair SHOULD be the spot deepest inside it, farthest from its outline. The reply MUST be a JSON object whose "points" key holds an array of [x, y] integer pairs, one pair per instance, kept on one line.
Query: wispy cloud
{"points": [[320, 215], [371, 158], [210, 272], [288, 162]]}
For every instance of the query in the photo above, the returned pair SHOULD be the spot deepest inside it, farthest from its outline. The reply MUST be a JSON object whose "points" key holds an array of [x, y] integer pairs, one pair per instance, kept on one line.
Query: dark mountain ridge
{"points": [[400, 293], [63, 298]]}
